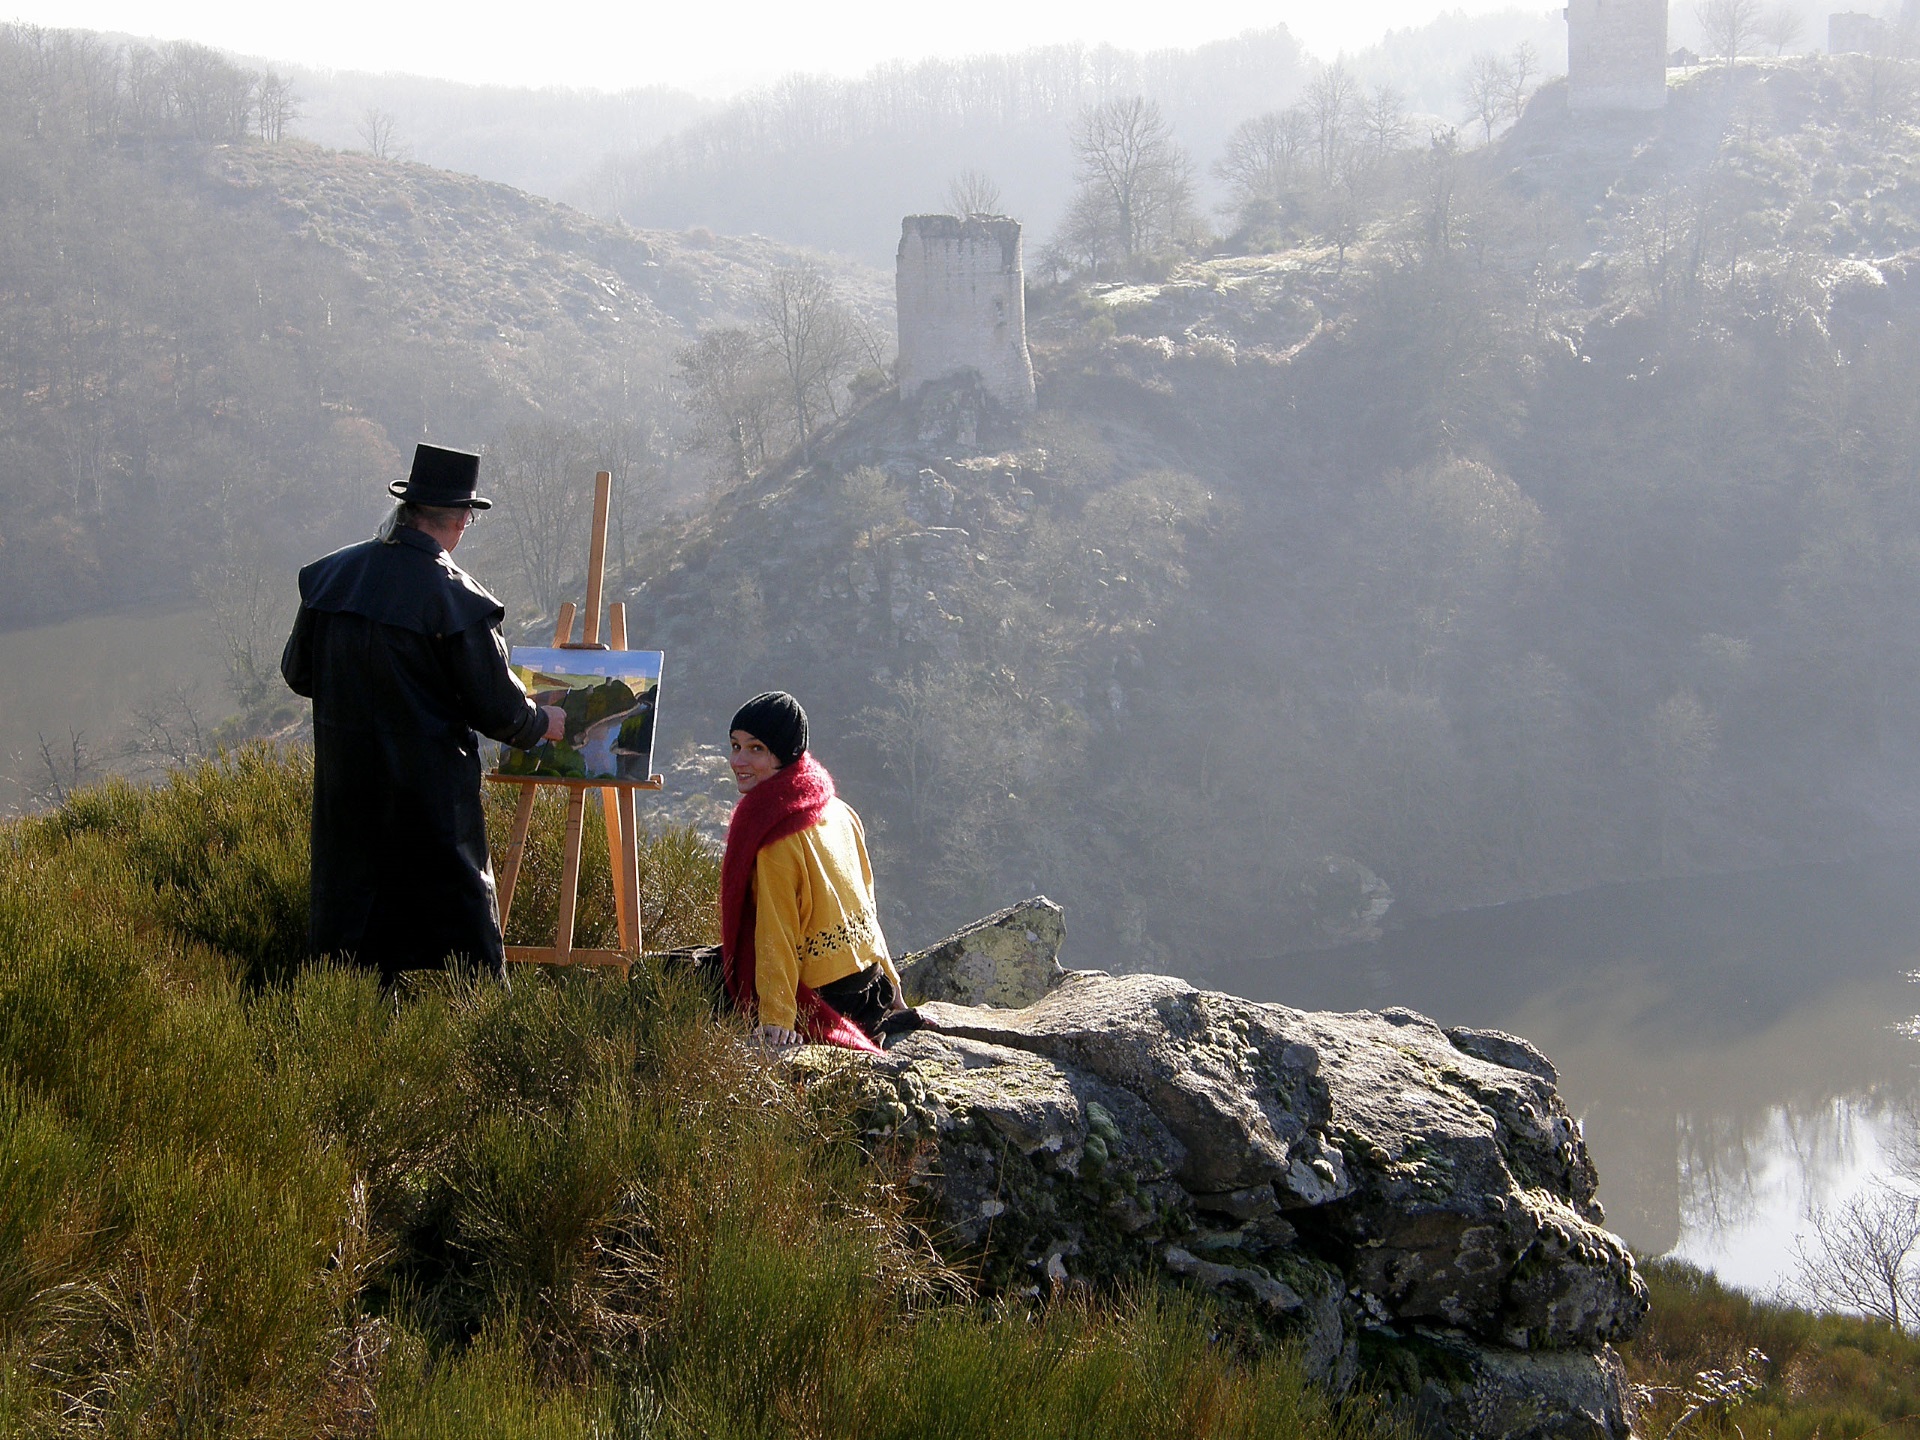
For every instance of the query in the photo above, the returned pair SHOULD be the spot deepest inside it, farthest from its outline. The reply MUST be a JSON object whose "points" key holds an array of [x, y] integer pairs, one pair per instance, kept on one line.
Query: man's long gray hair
{"points": [[399, 518], [408, 517]]}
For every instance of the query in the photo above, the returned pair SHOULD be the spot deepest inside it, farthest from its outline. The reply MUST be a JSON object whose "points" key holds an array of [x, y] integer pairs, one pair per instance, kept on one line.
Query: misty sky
{"points": [[711, 49]]}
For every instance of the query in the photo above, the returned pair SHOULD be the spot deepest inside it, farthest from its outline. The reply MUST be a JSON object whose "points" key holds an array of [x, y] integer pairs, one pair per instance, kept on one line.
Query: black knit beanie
{"points": [[776, 720]]}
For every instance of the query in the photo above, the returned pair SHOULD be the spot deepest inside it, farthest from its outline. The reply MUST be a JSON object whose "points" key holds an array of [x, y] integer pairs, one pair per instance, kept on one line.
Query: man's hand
{"points": [[556, 722], [776, 1038]]}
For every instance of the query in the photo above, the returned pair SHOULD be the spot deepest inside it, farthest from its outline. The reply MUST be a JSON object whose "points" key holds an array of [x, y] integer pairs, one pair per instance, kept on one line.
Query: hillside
{"points": [[545, 141], [1555, 534], [458, 260], [216, 343]]}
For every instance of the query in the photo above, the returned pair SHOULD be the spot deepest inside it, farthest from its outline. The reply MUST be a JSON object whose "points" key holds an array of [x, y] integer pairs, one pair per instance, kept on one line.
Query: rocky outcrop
{"points": [[1009, 959], [1377, 1189]]}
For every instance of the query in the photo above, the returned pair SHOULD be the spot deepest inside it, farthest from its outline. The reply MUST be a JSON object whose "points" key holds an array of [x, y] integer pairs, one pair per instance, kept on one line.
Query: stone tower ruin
{"points": [[962, 305], [1616, 54]]}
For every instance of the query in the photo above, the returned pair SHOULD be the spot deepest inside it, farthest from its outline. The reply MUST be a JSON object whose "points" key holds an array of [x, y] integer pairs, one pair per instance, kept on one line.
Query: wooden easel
{"points": [[616, 796]]}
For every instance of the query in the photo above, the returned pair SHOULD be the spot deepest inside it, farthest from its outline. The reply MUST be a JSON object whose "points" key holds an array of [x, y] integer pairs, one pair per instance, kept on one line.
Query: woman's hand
{"points": [[774, 1037]]}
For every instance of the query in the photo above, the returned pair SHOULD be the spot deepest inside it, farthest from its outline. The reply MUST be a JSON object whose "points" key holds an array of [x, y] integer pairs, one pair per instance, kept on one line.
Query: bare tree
{"points": [[733, 398], [972, 192], [1263, 154], [1888, 95], [1522, 65], [1088, 238], [627, 444], [64, 769], [95, 70], [873, 344], [379, 131], [1780, 27], [1134, 180], [809, 334], [542, 474], [1332, 96], [1730, 26], [209, 97], [1439, 182], [1485, 90], [1263, 161], [872, 503], [276, 105], [250, 605], [169, 730], [1383, 120], [1862, 1257]]}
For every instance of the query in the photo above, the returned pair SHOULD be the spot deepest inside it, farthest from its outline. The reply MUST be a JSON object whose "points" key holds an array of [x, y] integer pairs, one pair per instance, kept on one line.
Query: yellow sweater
{"points": [[814, 918]]}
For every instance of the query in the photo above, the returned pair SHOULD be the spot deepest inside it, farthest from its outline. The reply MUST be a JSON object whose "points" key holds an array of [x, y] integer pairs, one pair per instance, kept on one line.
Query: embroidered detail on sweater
{"points": [[849, 933]]}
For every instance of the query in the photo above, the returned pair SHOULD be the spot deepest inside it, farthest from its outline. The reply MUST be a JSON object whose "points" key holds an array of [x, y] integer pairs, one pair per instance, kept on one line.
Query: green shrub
{"points": [[487, 1389]]}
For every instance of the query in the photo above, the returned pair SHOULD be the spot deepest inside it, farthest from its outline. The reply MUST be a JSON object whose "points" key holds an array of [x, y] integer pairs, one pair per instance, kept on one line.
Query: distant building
{"points": [[963, 305], [1851, 33], [1616, 54]]}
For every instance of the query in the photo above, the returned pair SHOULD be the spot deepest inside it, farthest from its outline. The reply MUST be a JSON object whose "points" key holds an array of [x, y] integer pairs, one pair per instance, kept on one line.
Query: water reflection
{"points": [[1744, 1221], [1736, 1046]]}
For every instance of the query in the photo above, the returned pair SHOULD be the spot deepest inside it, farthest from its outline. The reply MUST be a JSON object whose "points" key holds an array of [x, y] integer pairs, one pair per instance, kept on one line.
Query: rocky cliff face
{"points": [[1385, 1193]]}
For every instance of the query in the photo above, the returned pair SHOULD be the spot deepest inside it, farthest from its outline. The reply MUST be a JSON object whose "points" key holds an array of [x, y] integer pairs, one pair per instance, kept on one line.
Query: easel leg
{"points": [[624, 857], [516, 849], [630, 872], [622, 894], [569, 878]]}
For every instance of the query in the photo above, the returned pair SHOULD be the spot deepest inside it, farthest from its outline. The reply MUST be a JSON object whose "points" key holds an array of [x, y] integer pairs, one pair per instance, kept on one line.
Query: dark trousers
{"points": [[864, 997]]}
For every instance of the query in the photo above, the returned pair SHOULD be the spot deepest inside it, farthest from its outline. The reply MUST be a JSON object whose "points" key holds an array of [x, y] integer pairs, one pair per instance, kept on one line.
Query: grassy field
{"points": [[243, 1196]]}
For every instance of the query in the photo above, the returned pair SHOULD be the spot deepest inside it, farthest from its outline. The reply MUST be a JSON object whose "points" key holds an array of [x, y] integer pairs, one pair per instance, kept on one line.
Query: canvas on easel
{"points": [[610, 695]]}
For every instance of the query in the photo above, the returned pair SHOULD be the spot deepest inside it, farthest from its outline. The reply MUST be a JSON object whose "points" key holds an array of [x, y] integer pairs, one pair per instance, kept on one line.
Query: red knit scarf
{"points": [[785, 803]]}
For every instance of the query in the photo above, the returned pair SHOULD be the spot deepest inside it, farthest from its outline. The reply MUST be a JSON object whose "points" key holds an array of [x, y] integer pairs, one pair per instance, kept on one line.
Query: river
{"points": [[1738, 1047], [87, 676]]}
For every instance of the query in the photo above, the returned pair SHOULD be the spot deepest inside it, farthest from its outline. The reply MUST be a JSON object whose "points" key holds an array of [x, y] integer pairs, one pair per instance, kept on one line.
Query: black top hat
{"points": [[441, 477]]}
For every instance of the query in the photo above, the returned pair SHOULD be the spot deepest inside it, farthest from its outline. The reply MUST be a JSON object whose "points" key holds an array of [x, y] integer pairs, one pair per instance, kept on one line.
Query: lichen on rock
{"points": [[1008, 960]]}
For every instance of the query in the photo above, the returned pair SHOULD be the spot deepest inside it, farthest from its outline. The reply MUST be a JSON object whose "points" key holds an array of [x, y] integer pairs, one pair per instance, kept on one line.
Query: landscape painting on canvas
{"points": [[609, 697]]}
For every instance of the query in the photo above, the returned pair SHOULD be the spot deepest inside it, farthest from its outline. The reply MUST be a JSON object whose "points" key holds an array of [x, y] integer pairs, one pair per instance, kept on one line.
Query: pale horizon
{"points": [[604, 47]]}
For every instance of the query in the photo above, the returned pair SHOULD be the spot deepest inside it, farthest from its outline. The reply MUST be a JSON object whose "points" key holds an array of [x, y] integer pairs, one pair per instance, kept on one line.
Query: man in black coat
{"points": [[400, 650]]}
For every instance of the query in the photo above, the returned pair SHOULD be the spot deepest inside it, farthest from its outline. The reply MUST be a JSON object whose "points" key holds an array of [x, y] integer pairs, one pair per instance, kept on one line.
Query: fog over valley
{"points": [[1419, 514]]}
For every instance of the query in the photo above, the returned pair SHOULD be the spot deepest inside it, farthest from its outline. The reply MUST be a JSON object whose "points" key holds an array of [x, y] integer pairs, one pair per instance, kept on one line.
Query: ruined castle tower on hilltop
{"points": [[1616, 54], [962, 305]]}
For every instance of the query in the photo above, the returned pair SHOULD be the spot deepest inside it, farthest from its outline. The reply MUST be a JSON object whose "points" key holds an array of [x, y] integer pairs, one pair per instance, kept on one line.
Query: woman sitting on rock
{"points": [[803, 952]]}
